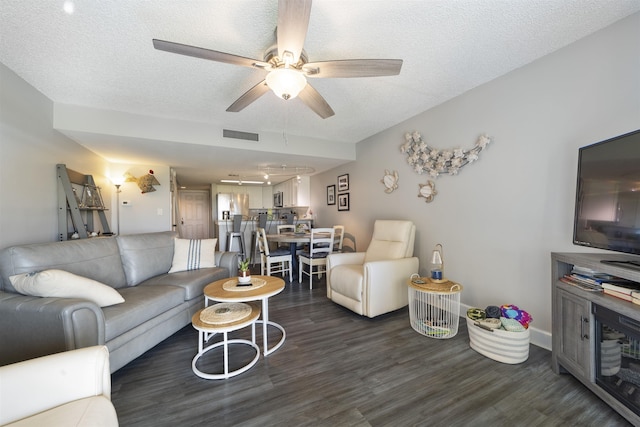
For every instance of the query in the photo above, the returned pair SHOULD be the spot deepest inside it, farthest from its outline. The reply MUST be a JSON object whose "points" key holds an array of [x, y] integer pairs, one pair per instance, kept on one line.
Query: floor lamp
{"points": [[118, 208]]}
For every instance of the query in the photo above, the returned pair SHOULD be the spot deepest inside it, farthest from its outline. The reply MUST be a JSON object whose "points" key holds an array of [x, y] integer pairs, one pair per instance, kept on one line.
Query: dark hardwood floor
{"points": [[340, 369]]}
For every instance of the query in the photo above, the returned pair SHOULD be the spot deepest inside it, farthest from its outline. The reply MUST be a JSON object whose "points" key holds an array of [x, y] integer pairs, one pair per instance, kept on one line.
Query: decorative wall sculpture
{"points": [[145, 182], [432, 161]]}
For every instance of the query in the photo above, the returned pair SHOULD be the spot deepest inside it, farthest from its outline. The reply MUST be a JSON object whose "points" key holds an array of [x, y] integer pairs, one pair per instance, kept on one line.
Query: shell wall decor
{"points": [[428, 191], [390, 180], [426, 159], [432, 161]]}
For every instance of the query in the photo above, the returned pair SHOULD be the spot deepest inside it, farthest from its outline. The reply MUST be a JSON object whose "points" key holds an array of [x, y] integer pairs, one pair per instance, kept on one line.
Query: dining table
{"points": [[293, 239]]}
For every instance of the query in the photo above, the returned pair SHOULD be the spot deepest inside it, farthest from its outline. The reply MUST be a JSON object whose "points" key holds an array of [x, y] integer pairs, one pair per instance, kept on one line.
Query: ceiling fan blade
{"points": [[353, 68], [315, 101], [293, 22], [248, 97], [213, 55]]}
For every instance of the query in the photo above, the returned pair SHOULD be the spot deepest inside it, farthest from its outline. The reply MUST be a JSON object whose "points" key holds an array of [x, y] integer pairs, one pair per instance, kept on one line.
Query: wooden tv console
{"points": [[573, 341]]}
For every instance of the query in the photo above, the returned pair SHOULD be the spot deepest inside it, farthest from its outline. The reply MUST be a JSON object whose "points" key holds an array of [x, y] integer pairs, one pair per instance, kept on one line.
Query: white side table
{"points": [[434, 307]]}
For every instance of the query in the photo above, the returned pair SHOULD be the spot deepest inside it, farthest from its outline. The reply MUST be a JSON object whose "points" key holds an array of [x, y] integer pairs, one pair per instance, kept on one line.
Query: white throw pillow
{"points": [[193, 254], [62, 284]]}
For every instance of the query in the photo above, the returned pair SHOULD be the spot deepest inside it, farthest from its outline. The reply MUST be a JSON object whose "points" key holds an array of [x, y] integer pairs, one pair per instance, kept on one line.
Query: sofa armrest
{"points": [[34, 326], [385, 284], [228, 260], [37, 385], [336, 259]]}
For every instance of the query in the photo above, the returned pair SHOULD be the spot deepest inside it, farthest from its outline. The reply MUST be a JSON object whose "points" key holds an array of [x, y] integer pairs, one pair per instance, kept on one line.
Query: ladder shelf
{"points": [[71, 205]]}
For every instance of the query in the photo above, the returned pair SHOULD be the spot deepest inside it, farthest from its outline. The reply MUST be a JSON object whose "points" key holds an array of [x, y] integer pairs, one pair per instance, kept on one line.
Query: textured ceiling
{"points": [[101, 59]]}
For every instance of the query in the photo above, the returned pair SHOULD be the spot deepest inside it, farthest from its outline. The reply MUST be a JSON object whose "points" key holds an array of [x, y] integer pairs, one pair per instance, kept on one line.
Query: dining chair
{"points": [[279, 257], [255, 250], [338, 238], [286, 228], [236, 233], [320, 246], [289, 228], [290, 218]]}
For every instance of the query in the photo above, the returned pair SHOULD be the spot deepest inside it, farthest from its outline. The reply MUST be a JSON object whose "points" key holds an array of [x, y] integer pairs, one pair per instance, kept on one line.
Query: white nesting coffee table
{"points": [[263, 287], [224, 318]]}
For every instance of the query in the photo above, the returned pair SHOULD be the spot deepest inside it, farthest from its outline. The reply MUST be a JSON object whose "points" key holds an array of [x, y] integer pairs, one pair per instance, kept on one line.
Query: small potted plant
{"points": [[244, 275]]}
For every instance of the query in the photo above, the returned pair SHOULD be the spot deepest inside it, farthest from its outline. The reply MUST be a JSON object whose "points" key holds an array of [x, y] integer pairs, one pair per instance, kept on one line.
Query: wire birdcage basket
{"points": [[434, 308]]}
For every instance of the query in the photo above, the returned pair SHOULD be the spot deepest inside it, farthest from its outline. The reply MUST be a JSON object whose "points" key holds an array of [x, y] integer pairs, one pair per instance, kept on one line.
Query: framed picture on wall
{"points": [[331, 194], [343, 183], [343, 202]]}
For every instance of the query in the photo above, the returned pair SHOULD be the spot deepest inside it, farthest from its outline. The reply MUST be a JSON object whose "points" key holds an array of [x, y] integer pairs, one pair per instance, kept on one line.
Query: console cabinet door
{"points": [[574, 330]]}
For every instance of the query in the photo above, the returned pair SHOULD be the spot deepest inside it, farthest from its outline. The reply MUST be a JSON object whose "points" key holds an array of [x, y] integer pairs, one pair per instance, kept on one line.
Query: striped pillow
{"points": [[193, 254]]}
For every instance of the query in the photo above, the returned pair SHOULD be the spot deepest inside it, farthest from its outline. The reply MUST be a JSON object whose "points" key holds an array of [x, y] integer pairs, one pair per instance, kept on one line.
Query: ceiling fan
{"points": [[287, 63]]}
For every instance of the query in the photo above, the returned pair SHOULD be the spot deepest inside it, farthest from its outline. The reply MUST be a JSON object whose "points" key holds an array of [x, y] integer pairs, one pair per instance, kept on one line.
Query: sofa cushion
{"points": [[193, 282], [96, 258], [62, 284], [141, 304], [193, 254], [146, 255]]}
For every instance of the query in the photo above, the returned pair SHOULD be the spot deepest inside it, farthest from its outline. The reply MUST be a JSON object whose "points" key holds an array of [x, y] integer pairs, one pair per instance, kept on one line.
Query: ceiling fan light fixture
{"points": [[286, 83]]}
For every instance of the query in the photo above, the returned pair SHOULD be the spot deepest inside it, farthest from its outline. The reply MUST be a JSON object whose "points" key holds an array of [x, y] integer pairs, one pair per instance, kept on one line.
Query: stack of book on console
{"points": [[585, 278], [623, 289], [591, 280]]}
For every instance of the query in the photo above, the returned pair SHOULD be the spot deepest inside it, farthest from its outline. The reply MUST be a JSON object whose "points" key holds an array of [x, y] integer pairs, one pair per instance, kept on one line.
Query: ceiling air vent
{"points": [[239, 135]]}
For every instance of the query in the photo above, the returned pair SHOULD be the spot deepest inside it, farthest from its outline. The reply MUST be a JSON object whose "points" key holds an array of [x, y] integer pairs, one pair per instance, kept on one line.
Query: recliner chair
{"points": [[71, 388], [374, 282]]}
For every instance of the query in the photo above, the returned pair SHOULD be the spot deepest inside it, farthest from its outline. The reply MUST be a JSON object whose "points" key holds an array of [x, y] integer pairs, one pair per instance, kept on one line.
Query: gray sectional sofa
{"points": [[156, 303]]}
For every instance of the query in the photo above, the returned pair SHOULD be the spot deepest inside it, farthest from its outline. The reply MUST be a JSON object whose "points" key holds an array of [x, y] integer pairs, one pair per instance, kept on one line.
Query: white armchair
{"points": [[72, 388], [375, 282]]}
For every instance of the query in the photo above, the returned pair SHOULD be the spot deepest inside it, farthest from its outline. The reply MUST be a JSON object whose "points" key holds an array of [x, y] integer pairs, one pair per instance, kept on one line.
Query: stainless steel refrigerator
{"points": [[230, 204]]}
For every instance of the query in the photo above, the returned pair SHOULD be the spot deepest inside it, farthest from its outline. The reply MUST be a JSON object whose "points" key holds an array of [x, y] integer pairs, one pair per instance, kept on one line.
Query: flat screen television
{"points": [[607, 212]]}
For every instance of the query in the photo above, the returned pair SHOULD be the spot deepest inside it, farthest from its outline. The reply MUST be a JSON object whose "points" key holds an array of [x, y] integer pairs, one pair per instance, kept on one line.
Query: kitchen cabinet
{"points": [[254, 192], [255, 196], [295, 192], [267, 197]]}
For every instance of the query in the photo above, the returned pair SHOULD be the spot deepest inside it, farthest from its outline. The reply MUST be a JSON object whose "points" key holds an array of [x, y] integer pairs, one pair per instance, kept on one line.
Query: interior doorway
{"points": [[194, 207]]}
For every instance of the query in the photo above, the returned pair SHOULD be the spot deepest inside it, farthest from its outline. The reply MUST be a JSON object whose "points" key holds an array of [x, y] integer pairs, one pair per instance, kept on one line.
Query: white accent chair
{"points": [[374, 282], [320, 245], [72, 388], [281, 257]]}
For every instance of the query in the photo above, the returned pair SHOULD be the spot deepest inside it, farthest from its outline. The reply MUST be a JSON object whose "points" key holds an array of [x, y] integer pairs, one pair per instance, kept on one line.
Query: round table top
{"points": [[216, 292], [201, 325], [290, 237], [429, 285]]}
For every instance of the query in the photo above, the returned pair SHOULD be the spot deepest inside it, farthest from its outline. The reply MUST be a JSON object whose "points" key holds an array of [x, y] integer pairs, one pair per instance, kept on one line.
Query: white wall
{"points": [[500, 218], [29, 152], [144, 213], [30, 149]]}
